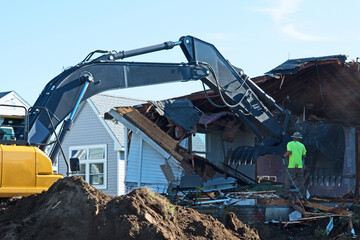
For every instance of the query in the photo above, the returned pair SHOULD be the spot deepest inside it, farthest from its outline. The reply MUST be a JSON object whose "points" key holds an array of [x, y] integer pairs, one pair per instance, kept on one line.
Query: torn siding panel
{"points": [[151, 171], [133, 159]]}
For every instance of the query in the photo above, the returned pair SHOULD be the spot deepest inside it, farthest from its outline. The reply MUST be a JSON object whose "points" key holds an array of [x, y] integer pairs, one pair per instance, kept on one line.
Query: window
{"points": [[199, 144], [92, 164]]}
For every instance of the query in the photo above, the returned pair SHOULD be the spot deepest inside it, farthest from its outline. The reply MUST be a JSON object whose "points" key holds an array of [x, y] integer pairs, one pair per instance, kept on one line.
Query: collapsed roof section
{"points": [[181, 111], [169, 122], [293, 66]]}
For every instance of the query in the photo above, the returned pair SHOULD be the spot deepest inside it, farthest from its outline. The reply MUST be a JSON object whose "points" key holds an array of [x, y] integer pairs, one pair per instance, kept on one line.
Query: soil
{"points": [[73, 209]]}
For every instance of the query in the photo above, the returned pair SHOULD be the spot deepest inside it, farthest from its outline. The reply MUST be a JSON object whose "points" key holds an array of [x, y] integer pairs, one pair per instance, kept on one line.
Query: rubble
{"points": [[333, 216]]}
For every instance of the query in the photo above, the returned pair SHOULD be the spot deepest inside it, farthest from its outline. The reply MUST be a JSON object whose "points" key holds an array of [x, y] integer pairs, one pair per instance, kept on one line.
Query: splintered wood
{"points": [[151, 130]]}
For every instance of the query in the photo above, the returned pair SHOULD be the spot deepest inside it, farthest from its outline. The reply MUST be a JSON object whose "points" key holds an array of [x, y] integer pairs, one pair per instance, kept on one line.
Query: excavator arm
{"points": [[235, 88], [60, 97], [64, 93]]}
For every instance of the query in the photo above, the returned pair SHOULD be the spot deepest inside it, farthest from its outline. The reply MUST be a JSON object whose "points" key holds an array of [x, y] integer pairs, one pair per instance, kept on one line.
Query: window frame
{"points": [[88, 161], [203, 154]]}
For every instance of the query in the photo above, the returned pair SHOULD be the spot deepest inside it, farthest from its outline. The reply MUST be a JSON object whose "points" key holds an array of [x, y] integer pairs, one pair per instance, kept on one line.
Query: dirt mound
{"points": [[72, 209], [242, 230]]}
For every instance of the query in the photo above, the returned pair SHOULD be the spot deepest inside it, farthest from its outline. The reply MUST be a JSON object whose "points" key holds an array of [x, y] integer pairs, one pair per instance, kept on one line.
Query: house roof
{"points": [[13, 99], [3, 94], [104, 102], [292, 66], [326, 87]]}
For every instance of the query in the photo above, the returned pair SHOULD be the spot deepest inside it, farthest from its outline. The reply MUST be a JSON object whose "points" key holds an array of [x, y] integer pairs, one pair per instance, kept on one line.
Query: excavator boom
{"points": [[61, 97], [63, 94]]}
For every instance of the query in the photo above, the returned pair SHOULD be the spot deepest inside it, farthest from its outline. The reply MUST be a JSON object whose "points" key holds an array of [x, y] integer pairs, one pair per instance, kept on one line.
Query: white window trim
{"points": [[87, 169], [121, 188]]}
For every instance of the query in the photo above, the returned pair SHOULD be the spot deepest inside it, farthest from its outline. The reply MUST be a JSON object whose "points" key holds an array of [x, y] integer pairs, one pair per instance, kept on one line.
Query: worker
{"points": [[296, 152]]}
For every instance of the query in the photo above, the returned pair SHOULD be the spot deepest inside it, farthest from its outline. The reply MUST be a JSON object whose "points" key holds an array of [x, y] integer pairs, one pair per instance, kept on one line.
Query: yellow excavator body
{"points": [[24, 170]]}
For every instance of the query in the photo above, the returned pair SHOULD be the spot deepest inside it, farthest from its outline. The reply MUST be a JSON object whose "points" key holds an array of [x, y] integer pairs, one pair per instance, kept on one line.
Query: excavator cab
{"points": [[7, 133], [13, 124], [25, 169]]}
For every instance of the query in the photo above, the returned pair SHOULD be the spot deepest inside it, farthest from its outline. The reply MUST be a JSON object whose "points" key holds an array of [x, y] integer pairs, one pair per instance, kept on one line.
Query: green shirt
{"points": [[297, 150]]}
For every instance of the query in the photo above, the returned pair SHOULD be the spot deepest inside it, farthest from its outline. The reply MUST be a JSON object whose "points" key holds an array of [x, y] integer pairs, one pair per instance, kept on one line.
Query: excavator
{"points": [[26, 169]]}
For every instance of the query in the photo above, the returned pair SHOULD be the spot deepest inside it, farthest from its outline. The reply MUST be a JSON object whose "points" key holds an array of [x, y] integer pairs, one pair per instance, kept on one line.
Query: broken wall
{"points": [[271, 166], [219, 151], [144, 167]]}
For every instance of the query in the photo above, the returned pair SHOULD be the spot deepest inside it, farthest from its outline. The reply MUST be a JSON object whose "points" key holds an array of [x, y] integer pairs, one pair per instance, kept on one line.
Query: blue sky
{"points": [[41, 38]]}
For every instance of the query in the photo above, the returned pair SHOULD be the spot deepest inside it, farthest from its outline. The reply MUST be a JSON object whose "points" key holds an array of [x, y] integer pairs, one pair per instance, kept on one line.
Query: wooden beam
{"points": [[151, 130]]}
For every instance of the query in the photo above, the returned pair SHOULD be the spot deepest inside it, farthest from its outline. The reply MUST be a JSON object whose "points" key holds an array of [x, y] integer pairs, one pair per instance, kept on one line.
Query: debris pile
{"points": [[73, 209], [317, 217], [228, 196]]}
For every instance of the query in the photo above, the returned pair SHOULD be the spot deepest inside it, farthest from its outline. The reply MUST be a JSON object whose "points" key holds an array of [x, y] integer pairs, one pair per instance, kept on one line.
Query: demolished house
{"points": [[321, 91], [173, 124]]}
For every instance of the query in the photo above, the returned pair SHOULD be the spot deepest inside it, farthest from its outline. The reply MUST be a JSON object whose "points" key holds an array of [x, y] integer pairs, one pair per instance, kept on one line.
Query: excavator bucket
{"points": [[325, 146]]}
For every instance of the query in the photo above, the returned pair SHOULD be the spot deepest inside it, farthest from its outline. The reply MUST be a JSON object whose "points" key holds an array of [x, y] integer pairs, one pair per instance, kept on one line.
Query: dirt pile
{"points": [[73, 209]]}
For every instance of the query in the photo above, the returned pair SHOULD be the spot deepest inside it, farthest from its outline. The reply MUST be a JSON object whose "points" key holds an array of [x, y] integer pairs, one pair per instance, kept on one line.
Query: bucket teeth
{"points": [[333, 181], [243, 156], [326, 181]]}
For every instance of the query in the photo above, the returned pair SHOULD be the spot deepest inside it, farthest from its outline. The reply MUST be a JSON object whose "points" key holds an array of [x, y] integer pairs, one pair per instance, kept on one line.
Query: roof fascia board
{"points": [[27, 105], [145, 137]]}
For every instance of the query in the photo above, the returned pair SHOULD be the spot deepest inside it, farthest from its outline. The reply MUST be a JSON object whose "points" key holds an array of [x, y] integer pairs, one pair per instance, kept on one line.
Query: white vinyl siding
{"points": [[143, 167], [89, 131]]}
